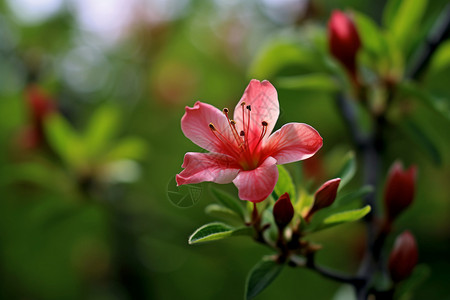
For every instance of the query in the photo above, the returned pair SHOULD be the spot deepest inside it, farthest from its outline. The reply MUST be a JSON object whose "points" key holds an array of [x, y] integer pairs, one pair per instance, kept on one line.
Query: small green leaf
{"points": [[64, 140], [438, 104], [423, 140], [401, 17], [309, 82], [347, 216], [260, 276], [347, 198], [217, 231], [127, 148], [348, 169], [281, 54], [102, 128], [229, 201], [221, 212], [371, 36], [285, 183]]}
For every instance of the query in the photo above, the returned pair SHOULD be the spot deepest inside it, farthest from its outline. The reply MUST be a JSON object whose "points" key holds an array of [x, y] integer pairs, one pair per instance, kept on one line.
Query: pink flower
{"points": [[242, 150]]}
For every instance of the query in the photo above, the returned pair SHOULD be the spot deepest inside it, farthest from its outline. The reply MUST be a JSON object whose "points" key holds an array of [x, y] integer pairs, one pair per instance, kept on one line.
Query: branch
{"points": [[439, 31], [310, 263]]}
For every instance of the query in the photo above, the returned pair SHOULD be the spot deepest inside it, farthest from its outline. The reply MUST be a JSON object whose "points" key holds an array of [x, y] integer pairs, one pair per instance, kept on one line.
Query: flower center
{"points": [[246, 152]]}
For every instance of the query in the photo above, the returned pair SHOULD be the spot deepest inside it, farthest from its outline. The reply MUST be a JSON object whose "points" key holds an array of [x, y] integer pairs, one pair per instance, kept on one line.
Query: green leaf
{"points": [[230, 202], [347, 216], [101, 129], [285, 183], [64, 140], [309, 82], [401, 17], [371, 36], [260, 276], [332, 218], [221, 212], [358, 194], [217, 231], [422, 139], [127, 148], [406, 288], [438, 104], [348, 169], [280, 54], [440, 59]]}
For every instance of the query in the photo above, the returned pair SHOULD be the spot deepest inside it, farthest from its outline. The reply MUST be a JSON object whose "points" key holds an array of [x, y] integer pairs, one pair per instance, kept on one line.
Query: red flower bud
{"points": [[403, 257], [343, 39], [399, 190], [283, 211], [324, 196], [39, 104]]}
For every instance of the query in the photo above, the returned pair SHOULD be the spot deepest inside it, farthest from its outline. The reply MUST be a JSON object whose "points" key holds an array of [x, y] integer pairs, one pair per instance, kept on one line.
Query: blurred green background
{"points": [[90, 217]]}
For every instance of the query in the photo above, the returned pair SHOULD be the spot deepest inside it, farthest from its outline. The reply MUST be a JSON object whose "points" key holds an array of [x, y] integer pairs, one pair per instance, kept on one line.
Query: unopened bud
{"points": [[283, 211], [343, 39], [403, 257], [39, 103], [399, 190], [324, 196]]}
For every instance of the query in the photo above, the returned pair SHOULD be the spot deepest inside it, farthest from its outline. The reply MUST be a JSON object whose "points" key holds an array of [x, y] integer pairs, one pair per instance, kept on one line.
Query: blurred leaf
{"points": [[441, 58], [229, 201], [358, 194], [128, 148], [304, 203], [102, 128], [279, 54], [217, 231], [419, 275], [64, 140], [421, 139], [402, 17], [371, 37], [221, 212], [438, 104], [284, 183], [260, 276], [348, 169], [309, 82]]}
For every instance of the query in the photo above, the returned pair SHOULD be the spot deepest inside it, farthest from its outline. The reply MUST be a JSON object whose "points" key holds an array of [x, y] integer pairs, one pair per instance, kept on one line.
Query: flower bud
{"points": [[343, 39], [40, 105], [283, 211], [399, 190], [403, 257], [324, 196]]}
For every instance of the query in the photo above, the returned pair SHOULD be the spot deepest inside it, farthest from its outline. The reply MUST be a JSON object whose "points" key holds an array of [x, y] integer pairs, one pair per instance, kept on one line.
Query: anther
{"points": [[233, 122], [212, 127], [242, 133], [225, 110], [249, 107], [264, 123]]}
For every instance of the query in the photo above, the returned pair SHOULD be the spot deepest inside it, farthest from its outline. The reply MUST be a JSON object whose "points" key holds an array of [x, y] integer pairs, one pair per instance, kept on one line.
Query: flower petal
{"points": [[293, 142], [201, 167], [256, 185], [263, 99], [195, 126]]}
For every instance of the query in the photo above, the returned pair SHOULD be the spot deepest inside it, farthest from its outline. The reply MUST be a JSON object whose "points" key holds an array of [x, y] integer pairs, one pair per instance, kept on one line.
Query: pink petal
{"points": [[201, 167], [195, 126], [293, 142], [256, 185], [263, 99]]}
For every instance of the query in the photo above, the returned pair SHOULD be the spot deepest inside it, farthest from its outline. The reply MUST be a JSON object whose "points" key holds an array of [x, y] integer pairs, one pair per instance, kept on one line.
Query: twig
{"points": [[438, 33]]}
